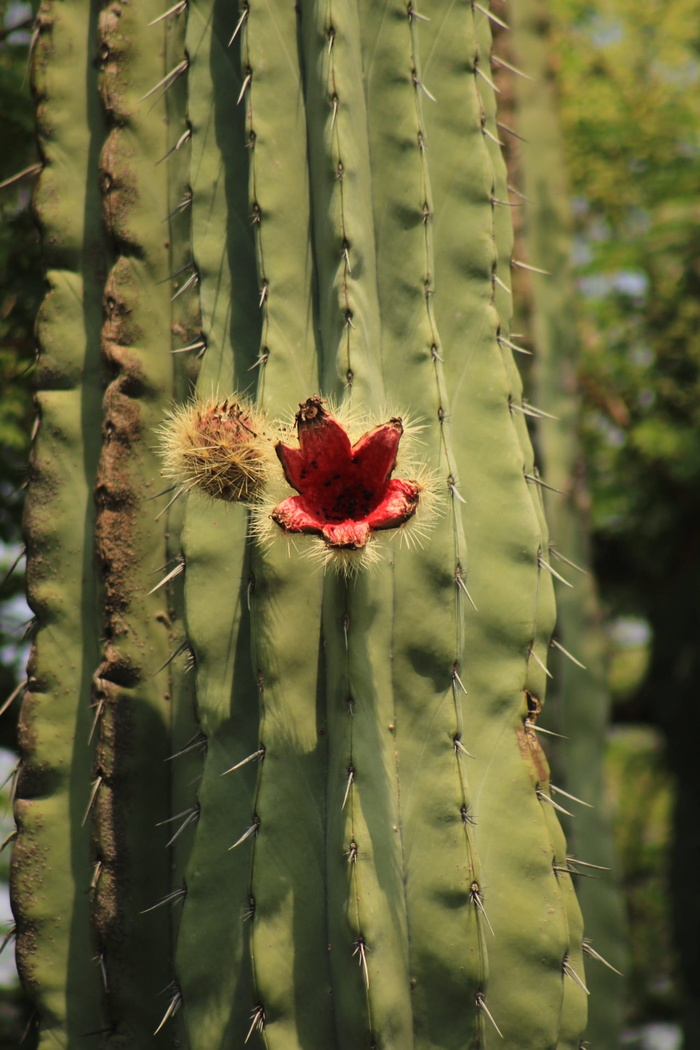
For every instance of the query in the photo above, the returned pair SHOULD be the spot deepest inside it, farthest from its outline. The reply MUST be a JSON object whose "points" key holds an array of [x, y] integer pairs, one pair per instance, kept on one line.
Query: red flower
{"points": [[345, 491]]}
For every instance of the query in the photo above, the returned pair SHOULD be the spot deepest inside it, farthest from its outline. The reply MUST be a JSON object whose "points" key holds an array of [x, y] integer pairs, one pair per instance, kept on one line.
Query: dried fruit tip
{"points": [[219, 448], [345, 491]]}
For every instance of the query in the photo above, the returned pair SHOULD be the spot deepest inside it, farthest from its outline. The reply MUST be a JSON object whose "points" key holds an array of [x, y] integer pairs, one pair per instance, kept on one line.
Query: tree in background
{"points": [[628, 78], [21, 288]]}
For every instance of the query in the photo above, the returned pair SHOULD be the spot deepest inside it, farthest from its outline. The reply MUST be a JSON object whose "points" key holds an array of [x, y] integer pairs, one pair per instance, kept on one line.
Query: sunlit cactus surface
{"points": [[280, 783]]}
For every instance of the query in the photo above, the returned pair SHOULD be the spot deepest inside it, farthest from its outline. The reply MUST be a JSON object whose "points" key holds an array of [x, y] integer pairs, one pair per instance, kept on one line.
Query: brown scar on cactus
{"points": [[534, 707]]}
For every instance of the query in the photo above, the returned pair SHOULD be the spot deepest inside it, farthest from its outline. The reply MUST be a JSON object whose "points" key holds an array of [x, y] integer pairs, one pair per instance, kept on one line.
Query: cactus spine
{"points": [[348, 874]]}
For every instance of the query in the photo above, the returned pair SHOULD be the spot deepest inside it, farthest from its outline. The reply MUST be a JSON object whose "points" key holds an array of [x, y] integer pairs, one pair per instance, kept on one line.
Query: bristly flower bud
{"points": [[220, 448]]}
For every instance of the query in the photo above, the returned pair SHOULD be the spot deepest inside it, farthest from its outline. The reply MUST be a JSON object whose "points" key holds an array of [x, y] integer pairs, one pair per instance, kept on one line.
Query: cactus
{"points": [[578, 707], [337, 829]]}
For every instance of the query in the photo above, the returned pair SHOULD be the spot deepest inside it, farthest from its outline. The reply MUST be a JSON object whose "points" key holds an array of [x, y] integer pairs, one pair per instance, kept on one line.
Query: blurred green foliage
{"points": [[21, 284], [21, 289], [641, 790], [628, 75]]}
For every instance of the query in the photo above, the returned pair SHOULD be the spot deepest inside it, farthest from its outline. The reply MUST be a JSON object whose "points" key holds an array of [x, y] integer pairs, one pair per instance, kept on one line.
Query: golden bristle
{"points": [[219, 448]]}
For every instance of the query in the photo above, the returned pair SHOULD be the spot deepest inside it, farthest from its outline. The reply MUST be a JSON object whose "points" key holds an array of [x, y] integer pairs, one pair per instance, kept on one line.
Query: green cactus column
{"points": [[256, 883], [506, 635], [375, 855], [580, 700], [451, 360], [51, 865], [366, 894], [445, 917], [131, 806], [218, 997], [89, 818]]}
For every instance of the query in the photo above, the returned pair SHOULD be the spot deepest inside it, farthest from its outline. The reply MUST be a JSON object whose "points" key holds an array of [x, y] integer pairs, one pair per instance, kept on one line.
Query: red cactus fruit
{"points": [[345, 491]]}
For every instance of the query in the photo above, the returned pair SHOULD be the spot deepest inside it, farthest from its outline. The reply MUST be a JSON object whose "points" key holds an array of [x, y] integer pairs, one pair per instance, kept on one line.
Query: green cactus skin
{"points": [[289, 938], [429, 606], [495, 706], [271, 876], [106, 304], [52, 907], [355, 878], [219, 998], [367, 923], [512, 594], [135, 723], [579, 704]]}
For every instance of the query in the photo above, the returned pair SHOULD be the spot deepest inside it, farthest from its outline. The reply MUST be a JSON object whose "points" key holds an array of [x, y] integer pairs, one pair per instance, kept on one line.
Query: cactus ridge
{"points": [[341, 187], [139, 712], [411, 332], [218, 1003], [580, 701], [54, 948], [507, 998], [287, 877]]}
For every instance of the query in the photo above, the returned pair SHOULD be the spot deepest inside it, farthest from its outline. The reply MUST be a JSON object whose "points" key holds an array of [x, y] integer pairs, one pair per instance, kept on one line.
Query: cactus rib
{"points": [[54, 946]]}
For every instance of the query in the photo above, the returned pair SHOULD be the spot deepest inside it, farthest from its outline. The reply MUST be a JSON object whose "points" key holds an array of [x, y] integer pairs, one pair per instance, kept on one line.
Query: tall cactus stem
{"points": [[441, 822], [54, 942], [218, 1003], [367, 919], [287, 869], [138, 709], [325, 786], [580, 702]]}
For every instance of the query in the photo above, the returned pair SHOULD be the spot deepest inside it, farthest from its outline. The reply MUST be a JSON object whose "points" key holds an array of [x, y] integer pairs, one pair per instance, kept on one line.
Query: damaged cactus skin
{"points": [[105, 695], [53, 913], [354, 825]]}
